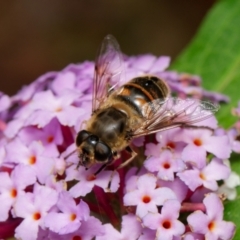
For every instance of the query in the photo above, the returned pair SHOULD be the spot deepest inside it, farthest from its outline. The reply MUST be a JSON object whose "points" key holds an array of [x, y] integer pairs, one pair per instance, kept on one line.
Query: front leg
{"points": [[115, 156], [133, 155], [101, 168]]}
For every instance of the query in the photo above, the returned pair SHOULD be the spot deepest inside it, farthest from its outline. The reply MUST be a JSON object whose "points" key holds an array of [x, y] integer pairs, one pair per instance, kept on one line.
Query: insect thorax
{"points": [[109, 125]]}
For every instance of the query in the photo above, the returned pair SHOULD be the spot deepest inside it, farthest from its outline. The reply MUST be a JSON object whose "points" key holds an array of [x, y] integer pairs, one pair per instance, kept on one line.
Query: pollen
{"points": [[211, 226], [146, 199], [166, 224], [202, 176], [171, 145], [50, 139], [197, 142], [91, 177], [166, 165], [36, 216], [76, 238], [59, 109], [32, 160], [13, 193], [73, 216]]}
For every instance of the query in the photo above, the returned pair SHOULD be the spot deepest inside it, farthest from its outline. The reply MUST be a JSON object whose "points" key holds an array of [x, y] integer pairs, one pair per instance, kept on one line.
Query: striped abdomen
{"points": [[142, 90]]}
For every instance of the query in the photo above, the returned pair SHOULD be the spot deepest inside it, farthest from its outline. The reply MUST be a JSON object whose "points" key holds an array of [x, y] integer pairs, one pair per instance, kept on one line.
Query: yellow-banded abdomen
{"points": [[142, 90]]}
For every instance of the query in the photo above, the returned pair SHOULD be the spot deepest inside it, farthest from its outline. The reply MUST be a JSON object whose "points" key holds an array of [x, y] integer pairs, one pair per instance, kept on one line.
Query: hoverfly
{"points": [[122, 112]]}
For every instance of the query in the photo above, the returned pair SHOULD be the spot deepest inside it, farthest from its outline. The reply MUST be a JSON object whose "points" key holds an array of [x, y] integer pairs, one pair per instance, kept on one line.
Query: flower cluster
{"points": [[44, 194]]}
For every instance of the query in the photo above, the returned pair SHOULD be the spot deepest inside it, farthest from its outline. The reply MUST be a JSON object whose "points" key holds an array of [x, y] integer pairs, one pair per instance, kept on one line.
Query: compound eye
{"points": [[102, 152], [93, 140], [82, 135]]}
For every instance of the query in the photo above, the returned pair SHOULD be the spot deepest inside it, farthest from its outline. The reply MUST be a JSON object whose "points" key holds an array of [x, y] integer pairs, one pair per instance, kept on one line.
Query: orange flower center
{"points": [[211, 226], [13, 193], [171, 145], [201, 175], [73, 217], [91, 177], [76, 238], [166, 224], [197, 142], [50, 139], [32, 160], [59, 109], [36, 216], [166, 165], [146, 199]]}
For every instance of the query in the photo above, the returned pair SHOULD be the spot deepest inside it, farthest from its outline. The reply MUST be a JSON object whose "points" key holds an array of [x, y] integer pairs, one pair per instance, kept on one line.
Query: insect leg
{"points": [[72, 152], [133, 155], [101, 168]]}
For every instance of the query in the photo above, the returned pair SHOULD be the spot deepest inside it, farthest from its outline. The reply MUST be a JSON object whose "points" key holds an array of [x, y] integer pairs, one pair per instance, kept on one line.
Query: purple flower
{"points": [[27, 92], [177, 186], [30, 207], [193, 236], [215, 96], [166, 165], [52, 106], [147, 197], [45, 194], [201, 141], [211, 223], [63, 81], [147, 234], [13, 127], [5, 102], [70, 216], [167, 139], [50, 136], [12, 186], [233, 135], [189, 85], [87, 180], [130, 229], [166, 223], [90, 228], [207, 176], [33, 156], [138, 142], [143, 64]]}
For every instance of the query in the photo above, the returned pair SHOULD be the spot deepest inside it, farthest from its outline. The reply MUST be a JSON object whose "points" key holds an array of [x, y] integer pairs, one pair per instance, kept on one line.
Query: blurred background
{"points": [[41, 36]]}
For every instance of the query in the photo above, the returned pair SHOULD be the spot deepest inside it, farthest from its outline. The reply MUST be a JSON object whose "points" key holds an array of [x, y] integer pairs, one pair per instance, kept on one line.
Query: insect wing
{"points": [[173, 112], [108, 68]]}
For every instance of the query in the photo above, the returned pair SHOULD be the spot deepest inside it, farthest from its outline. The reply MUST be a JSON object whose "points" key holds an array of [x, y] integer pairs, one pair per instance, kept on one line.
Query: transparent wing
{"points": [[108, 68], [173, 112]]}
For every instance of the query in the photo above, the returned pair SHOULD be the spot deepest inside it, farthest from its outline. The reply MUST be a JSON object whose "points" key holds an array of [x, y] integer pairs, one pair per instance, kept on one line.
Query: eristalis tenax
{"points": [[122, 112]]}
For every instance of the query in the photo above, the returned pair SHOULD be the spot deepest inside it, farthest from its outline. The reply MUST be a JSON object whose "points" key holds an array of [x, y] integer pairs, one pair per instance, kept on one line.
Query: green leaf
{"points": [[214, 54], [231, 211]]}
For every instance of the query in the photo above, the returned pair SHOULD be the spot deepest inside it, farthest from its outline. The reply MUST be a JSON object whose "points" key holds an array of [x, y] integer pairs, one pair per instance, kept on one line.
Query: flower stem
{"points": [[190, 207]]}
